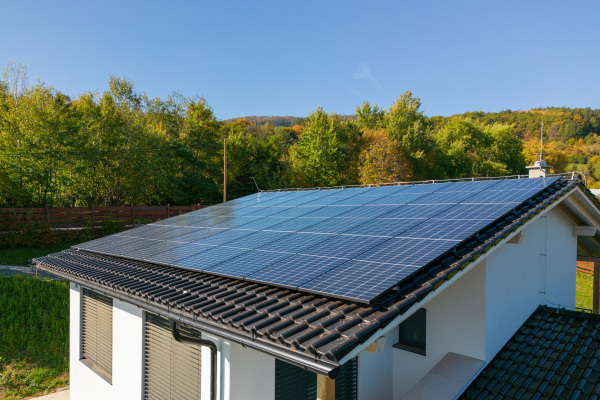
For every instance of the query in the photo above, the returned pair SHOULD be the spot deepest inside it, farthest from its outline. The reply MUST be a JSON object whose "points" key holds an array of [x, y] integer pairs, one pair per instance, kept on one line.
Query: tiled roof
{"points": [[554, 355], [301, 325]]}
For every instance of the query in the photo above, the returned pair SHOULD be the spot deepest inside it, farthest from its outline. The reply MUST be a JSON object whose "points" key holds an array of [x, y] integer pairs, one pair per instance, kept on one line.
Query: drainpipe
{"points": [[205, 343]]}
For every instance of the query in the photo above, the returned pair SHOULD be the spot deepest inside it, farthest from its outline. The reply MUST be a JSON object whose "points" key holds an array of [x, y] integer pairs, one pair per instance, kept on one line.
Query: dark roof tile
{"points": [[323, 328]]}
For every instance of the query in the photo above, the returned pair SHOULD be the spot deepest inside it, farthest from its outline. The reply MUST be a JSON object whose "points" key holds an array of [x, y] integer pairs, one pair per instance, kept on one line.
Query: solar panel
{"points": [[295, 270], [452, 229], [344, 246], [247, 263], [356, 280], [257, 239], [385, 227], [295, 242], [210, 258], [335, 225], [351, 243], [414, 252]]}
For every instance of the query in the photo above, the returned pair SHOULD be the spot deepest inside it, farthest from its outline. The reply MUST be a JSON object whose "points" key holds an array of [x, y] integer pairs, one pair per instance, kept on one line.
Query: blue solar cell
{"points": [[239, 211], [515, 196], [209, 222], [444, 198], [146, 253], [416, 252], [209, 258], [327, 212], [358, 280], [472, 186], [452, 229], [226, 236], [324, 201], [475, 211], [142, 230], [257, 239], [247, 263], [417, 211], [295, 270], [295, 224], [385, 227], [356, 200], [368, 211], [185, 221], [293, 212], [425, 187], [295, 242], [384, 190], [197, 234], [263, 211], [239, 222], [93, 245], [400, 198], [264, 223], [538, 183], [344, 246], [173, 233], [176, 254], [335, 225]]}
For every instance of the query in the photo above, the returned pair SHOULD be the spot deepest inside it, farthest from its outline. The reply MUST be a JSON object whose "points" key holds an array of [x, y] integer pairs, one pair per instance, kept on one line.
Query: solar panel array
{"points": [[349, 243]]}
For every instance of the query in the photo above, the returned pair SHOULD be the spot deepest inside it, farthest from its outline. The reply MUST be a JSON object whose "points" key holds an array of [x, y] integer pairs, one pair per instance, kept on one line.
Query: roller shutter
{"points": [[172, 370], [96, 333], [295, 383]]}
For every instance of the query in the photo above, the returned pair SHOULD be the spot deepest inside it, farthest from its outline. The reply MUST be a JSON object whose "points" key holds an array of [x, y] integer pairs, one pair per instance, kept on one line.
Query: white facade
{"points": [[126, 354], [473, 315]]}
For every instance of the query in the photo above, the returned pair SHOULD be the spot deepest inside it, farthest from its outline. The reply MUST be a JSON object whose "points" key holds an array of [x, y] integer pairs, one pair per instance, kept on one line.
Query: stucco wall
{"points": [[126, 356], [520, 277], [252, 374], [455, 323]]}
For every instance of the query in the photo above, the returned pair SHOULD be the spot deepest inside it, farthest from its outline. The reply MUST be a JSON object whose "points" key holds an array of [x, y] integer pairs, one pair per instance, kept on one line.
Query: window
{"points": [[295, 383], [96, 333], [412, 335], [172, 370]]}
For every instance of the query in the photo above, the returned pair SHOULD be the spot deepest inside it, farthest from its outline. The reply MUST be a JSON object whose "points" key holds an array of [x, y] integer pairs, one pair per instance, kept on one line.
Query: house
{"points": [[404, 291]]}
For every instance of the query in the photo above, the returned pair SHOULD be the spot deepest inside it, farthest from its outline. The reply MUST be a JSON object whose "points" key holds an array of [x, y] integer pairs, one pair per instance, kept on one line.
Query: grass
{"points": [[21, 255], [34, 336], [585, 285]]}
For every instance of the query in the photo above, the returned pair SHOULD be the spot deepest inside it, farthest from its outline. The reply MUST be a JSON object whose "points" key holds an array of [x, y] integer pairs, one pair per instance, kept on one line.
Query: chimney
{"points": [[539, 169]]}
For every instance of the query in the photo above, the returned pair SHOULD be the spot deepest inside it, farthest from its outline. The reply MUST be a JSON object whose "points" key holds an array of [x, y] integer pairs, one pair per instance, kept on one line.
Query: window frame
{"points": [[84, 357], [417, 321]]}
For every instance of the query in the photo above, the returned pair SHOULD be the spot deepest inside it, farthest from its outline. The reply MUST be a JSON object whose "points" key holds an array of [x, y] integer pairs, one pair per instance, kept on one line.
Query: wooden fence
{"points": [[75, 217], [585, 267]]}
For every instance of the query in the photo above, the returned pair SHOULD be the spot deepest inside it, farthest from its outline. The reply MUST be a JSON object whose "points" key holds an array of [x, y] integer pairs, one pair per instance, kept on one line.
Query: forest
{"points": [[120, 147]]}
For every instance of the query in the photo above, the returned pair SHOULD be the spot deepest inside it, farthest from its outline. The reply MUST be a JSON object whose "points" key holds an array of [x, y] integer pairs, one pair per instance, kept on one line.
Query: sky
{"points": [[289, 57]]}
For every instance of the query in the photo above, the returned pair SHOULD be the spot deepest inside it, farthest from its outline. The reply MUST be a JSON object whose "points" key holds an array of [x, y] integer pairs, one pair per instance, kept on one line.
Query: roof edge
{"points": [[296, 358]]}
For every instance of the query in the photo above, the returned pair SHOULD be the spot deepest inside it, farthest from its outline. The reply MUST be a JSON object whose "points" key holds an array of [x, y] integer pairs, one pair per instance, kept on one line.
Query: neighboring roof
{"points": [[306, 329], [352, 244], [555, 354]]}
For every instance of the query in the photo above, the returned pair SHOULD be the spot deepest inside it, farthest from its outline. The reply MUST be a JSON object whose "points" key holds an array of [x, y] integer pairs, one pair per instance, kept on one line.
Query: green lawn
{"points": [[21, 255], [34, 336], [585, 284]]}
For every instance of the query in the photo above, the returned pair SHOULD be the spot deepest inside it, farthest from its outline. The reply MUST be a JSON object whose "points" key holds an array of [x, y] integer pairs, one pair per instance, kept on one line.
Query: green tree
{"points": [[327, 151]]}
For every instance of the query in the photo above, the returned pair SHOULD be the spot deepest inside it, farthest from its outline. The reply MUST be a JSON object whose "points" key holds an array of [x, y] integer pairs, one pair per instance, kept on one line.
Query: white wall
{"points": [[376, 370], [455, 323], [127, 355], [520, 277], [252, 374]]}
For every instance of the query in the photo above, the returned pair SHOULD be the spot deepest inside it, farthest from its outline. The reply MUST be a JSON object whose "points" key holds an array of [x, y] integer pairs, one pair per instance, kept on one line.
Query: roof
{"points": [[316, 331], [353, 243], [555, 354]]}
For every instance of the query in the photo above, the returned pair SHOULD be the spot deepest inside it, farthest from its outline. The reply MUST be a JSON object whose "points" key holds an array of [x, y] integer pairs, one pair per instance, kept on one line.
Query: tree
{"points": [[368, 117], [381, 160], [327, 151]]}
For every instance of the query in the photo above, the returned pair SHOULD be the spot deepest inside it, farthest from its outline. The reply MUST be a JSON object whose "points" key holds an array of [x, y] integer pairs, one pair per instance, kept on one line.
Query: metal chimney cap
{"points": [[540, 163]]}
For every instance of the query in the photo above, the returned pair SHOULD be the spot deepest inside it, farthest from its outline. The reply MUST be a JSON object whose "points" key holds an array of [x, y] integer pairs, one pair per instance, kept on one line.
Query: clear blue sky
{"points": [[287, 58]]}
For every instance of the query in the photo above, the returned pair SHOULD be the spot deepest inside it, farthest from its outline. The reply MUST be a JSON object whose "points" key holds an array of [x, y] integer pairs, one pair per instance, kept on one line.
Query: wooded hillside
{"points": [[120, 147]]}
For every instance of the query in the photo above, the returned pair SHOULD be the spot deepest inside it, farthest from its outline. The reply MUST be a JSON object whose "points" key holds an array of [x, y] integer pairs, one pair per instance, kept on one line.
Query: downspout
{"points": [[205, 343]]}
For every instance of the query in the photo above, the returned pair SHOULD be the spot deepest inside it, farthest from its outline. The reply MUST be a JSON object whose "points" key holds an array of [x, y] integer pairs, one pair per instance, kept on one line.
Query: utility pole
{"points": [[225, 170]]}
